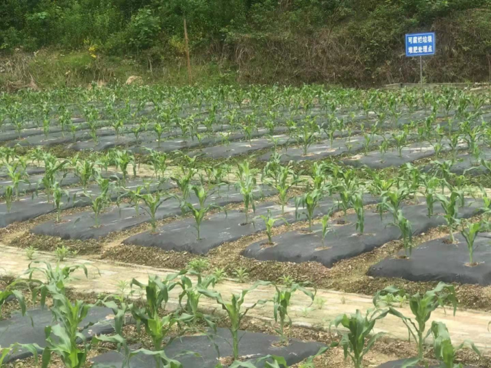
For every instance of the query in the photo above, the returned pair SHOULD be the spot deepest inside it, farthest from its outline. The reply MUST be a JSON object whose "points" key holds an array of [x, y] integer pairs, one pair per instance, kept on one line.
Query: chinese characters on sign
{"points": [[420, 44]]}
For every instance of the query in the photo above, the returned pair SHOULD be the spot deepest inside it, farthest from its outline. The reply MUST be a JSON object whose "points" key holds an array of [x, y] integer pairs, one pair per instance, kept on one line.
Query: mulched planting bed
{"points": [[27, 208], [30, 170], [29, 329], [343, 241], [391, 158], [321, 150], [240, 147], [400, 364], [204, 352], [33, 185], [82, 225], [58, 138], [438, 260], [221, 228]]}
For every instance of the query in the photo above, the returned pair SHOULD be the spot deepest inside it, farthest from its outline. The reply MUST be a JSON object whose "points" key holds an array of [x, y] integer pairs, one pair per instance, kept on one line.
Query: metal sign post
{"points": [[421, 70], [420, 44]]}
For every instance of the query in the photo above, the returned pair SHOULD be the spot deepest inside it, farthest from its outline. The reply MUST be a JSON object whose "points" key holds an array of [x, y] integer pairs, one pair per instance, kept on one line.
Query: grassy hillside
{"points": [[351, 42]]}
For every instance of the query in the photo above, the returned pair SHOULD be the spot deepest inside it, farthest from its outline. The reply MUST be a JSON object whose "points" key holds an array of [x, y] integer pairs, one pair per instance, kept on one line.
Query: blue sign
{"points": [[420, 44]]}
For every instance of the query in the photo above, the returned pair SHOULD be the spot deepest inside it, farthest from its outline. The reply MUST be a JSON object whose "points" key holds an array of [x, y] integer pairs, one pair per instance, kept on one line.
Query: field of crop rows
{"points": [[380, 193]]}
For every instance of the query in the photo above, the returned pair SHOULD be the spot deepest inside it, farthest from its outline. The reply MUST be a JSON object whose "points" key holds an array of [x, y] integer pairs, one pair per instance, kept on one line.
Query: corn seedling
{"points": [[62, 253], [192, 296], [269, 223], [12, 290], [281, 302], [153, 202], [6, 351], [198, 265], [246, 184], [135, 197], [31, 253], [63, 339], [470, 233], [358, 342], [85, 170], [443, 349], [156, 326], [219, 274], [450, 205], [56, 276], [99, 203], [422, 306], [406, 229], [200, 212], [309, 201], [235, 312], [357, 201], [241, 274], [9, 197], [326, 229], [58, 195]]}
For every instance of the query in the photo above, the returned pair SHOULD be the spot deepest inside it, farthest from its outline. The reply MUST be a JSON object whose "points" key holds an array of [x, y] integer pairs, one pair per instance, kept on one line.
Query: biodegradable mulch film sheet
{"points": [[29, 329], [343, 241], [203, 350], [437, 260], [81, 225]]}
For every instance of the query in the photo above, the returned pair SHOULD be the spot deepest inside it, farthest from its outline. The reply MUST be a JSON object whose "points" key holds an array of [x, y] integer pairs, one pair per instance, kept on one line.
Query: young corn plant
{"points": [[406, 229], [150, 315], [138, 129], [198, 265], [85, 170], [51, 167], [281, 301], [6, 351], [246, 184], [269, 223], [309, 201], [347, 191], [159, 163], [13, 290], [190, 293], [58, 194], [357, 342], [158, 128], [123, 159], [183, 182], [422, 306], [9, 197], [357, 201], [135, 197], [241, 274], [284, 184], [431, 184], [326, 229], [63, 339], [308, 135], [120, 309], [153, 202], [56, 276], [234, 311], [470, 233], [443, 349], [392, 200], [100, 202], [217, 174], [400, 140], [200, 212], [16, 178], [31, 253], [450, 206]]}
